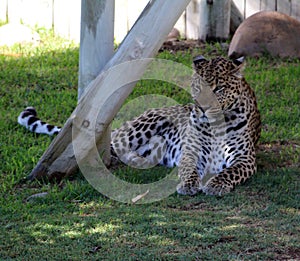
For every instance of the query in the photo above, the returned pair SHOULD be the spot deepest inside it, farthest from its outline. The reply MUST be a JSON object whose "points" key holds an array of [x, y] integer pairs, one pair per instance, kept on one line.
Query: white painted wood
{"points": [[96, 41], [126, 14], [96, 48], [214, 20], [295, 9], [66, 18], [61, 18], [135, 7], [14, 8], [181, 25], [252, 7], [3, 7], [121, 26], [74, 21], [236, 18], [267, 5], [144, 40], [221, 19], [37, 12], [240, 4], [284, 6], [192, 19]]}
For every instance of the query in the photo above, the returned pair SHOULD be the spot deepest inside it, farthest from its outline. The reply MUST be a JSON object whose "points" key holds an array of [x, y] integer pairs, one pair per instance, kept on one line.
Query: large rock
{"points": [[267, 32]]}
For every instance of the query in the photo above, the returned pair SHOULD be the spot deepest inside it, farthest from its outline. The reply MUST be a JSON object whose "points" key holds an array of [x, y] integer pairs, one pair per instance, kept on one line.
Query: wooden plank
{"points": [[121, 26], [3, 8], [206, 20], [236, 18], [221, 11], [135, 8], [66, 19], [14, 9], [240, 4], [192, 20], [92, 59], [214, 23], [143, 40], [252, 7], [97, 30], [61, 18], [284, 6], [295, 9], [74, 21], [267, 5], [181, 25], [37, 12]]}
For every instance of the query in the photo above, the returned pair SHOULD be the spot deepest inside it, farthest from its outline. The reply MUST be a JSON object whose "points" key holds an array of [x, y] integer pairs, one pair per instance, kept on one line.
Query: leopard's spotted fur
{"points": [[212, 141]]}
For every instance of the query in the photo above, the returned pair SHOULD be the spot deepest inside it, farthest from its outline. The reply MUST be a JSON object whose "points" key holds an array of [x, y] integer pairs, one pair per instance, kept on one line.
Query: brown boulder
{"points": [[267, 32]]}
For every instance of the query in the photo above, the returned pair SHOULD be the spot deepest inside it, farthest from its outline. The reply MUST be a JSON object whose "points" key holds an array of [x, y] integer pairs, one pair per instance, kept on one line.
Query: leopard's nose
{"points": [[204, 108]]}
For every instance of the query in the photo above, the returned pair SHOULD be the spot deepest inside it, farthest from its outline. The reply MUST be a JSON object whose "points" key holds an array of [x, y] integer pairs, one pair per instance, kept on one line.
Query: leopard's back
{"points": [[155, 137]]}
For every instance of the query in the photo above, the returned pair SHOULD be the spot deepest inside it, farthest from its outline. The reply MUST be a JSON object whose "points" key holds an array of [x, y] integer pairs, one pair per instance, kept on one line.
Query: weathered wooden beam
{"points": [[96, 40], [143, 40], [96, 48], [208, 19], [236, 18]]}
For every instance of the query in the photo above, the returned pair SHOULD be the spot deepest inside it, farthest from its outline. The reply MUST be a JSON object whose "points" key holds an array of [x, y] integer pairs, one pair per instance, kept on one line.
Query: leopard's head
{"points": [[216, 83]]}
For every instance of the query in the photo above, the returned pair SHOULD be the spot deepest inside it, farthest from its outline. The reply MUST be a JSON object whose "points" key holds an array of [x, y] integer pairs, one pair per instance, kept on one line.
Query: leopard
{"points": [[212, 141]]}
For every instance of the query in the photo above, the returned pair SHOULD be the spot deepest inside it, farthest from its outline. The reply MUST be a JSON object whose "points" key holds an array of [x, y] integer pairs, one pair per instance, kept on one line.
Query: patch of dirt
{"points": [[290, 253], [174, 46], [278, 154], [190, 45], [198, 206]]}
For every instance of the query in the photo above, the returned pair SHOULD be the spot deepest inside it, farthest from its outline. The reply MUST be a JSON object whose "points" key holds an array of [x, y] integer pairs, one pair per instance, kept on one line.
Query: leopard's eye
{"points": [[218, 89]]}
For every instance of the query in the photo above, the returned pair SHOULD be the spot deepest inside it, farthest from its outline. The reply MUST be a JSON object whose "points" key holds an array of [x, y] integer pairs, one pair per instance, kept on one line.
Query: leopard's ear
{"points": [[239, 61], [198, 60], [239, 65]]}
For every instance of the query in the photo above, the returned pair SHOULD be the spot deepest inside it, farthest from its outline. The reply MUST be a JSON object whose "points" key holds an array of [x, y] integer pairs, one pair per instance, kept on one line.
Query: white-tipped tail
{"points": [[28, 118]]}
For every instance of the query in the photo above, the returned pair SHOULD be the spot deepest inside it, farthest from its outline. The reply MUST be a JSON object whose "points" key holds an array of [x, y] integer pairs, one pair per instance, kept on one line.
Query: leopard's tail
{"points": [[28, 118]]}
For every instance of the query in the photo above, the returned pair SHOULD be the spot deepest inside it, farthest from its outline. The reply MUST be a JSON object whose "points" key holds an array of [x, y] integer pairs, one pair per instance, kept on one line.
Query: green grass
{"points": [[258, 221]]}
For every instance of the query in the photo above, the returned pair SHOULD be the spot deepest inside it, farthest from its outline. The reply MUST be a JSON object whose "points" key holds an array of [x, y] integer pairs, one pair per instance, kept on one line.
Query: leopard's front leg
{"points": [[226, 181], [190, 183]]}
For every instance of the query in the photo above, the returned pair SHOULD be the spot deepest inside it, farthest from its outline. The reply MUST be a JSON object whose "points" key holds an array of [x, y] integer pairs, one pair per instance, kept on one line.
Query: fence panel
{"points": [[295, 9], [267, 5], [121, 26], [57, 14], [3, 6], [284, 6], [252, 7], [192, 19], [37, 12]]}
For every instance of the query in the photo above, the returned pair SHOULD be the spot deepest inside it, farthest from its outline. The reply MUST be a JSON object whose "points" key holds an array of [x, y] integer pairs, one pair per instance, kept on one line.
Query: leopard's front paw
{"points": [[189, 187], [217, 187], [134, 160]]}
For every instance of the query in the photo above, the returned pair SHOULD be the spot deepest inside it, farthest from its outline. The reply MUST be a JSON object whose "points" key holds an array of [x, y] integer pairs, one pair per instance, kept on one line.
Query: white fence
{"points": [[64, 15]]}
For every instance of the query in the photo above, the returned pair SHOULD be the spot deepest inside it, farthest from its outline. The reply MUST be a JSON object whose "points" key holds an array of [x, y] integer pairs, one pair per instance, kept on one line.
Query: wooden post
{"points": [[208, 19], [121, 23], [3, 11], [66, 18], [96, 49], [143, 40], [96, 39], [236, 18]]}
